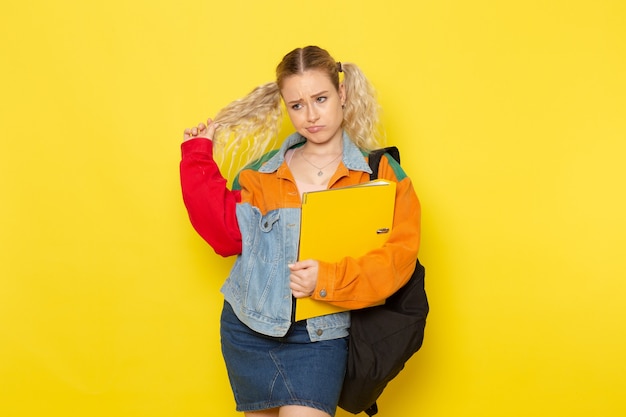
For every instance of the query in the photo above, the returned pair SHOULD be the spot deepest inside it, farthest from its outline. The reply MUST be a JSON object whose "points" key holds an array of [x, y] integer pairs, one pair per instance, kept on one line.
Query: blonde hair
{"points": [[247, 127], [255, 120]]}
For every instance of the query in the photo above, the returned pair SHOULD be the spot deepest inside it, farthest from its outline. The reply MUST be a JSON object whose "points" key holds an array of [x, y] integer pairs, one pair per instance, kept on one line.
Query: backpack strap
{"points": [[374, 162], [375, 156]]}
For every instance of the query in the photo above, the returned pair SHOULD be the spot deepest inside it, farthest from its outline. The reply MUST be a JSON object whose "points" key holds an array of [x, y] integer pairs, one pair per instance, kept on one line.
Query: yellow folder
{"points": [[342, 222]]}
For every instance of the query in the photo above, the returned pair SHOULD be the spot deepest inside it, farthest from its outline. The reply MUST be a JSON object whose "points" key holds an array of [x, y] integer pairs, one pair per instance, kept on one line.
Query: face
{"points": [[314, 106]]}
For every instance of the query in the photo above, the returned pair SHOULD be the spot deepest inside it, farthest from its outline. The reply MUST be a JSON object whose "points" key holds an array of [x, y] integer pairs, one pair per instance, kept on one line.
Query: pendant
{"points": [[319, 174]]}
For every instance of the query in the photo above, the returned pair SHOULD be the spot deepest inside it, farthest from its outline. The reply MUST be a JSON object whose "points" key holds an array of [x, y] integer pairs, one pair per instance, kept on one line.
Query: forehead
{"points": [[308, 83]]}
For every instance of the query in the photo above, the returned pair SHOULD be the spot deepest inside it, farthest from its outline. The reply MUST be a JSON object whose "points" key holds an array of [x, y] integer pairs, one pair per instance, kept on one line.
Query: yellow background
{"points": [[511, 118]]}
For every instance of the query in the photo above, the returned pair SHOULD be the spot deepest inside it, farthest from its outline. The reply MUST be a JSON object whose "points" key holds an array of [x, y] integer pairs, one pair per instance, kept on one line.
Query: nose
{"points": [[312, 115]]}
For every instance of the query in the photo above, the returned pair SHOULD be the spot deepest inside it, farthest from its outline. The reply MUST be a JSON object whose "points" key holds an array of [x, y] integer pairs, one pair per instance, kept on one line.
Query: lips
{"points": [[314, 129]]}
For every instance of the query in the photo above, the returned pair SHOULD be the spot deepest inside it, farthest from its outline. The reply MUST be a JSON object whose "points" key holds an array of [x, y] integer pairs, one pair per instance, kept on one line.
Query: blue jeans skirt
{"points": [[268, 372]]}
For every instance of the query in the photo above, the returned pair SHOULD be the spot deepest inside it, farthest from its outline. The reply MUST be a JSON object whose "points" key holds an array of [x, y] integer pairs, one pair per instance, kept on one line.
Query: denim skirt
{"points": [[267, 372]]}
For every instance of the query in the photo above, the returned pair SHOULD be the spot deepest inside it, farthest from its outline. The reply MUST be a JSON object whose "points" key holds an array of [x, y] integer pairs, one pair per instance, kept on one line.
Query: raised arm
{"points": [[210, 204]]}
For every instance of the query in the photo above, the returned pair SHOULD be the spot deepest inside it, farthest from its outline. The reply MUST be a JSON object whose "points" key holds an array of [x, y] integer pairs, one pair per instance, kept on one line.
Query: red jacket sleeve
{"points": [[210, 204]]}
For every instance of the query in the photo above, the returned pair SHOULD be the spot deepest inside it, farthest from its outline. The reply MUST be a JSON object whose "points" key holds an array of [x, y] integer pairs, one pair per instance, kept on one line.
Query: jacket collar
{"points": [[352, 156]]}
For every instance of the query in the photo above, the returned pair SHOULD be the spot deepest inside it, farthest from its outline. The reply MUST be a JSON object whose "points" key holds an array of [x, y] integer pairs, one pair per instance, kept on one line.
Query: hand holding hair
{"points": [[201, 131]]}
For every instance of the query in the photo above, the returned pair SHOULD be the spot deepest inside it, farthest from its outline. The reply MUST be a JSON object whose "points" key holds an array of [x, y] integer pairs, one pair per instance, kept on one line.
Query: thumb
{"points": [[211, 128], [307, 263]]}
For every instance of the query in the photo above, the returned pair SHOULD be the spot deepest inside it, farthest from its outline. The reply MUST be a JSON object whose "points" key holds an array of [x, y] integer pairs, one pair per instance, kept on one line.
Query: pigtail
{"points": [[361, 111], [248, 126]]}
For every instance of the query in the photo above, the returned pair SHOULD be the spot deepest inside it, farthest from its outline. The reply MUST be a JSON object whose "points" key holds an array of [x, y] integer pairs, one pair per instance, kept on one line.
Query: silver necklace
{"points": [[319, 169]]}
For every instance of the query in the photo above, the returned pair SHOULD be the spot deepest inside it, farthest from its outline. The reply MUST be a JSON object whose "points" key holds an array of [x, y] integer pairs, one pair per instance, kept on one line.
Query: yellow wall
{"points": [[511, 117]]}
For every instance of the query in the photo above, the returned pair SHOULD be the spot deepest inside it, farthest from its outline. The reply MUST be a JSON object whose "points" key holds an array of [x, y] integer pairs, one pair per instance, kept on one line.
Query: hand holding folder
{"points": [[342, 222]]}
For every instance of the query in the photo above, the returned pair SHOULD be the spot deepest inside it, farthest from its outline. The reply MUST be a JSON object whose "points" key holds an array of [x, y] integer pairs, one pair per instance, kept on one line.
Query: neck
{"points": [[322, 149]]}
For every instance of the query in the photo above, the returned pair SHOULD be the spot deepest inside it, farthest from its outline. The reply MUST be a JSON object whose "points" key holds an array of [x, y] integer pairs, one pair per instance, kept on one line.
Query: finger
{"points": [[297, 289], [210, 132], [299, 294], [295, 280], [297, 266]]}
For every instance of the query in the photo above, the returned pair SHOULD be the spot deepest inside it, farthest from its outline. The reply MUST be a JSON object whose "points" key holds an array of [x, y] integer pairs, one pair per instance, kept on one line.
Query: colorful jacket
{"points": [[258, 220]]}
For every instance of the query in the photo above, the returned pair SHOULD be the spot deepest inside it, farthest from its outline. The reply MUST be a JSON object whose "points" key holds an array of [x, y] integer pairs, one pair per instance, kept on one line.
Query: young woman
{"points": [[278, 367]]}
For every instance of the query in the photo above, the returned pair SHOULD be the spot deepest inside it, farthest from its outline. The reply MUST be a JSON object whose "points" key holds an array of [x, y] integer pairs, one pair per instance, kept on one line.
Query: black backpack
{"points": [[384, 337]]}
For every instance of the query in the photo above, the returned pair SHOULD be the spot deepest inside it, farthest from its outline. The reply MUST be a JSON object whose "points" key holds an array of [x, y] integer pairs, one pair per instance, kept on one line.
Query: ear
{"points": [[342, 94]]}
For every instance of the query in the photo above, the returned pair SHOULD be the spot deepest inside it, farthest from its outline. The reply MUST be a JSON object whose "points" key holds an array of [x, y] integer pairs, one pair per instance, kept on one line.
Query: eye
{"points": [[321, 99], [297, 106]]}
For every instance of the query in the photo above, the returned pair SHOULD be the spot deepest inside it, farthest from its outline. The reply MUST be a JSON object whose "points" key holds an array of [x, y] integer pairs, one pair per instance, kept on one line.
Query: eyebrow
{"points": [[321, 93]]}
